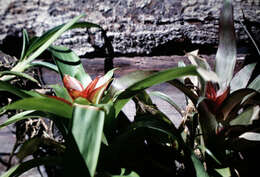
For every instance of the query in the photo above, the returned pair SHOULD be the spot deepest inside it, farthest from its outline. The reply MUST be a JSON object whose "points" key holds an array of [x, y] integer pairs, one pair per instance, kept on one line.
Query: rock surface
{"points": [[136, 27]]}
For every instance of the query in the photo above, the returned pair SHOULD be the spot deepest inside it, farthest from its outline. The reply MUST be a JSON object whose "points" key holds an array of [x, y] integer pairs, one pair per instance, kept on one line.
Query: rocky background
{"points": [[135, 27]]}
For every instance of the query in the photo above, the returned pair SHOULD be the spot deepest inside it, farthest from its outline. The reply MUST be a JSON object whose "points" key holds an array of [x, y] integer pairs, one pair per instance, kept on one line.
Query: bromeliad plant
{"points": [[226, 109], [88, 115], [99, 140], [80, 110]]}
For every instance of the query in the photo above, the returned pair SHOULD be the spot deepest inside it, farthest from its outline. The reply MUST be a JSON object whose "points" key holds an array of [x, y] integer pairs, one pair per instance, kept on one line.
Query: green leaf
{"points": [[206, 150], [69, 63], [47, 35], [140, 81], [242, 77], [168, 100], [25, 43], [97, 93], [132, 174], [28, 148], [199, 168], [44, 104], [204, 70], [246, 117], [5, 86], [87, 129], [255, 84], [18, 117], [45, 64], [122, 83], [19, 169], [208, 75], [61, 92], [32, 145], [190, 94], [198, 61], [250, 136], [231, 101], [20, 74], [46, 42], [226, 54], [224, 172], [107, 77]]}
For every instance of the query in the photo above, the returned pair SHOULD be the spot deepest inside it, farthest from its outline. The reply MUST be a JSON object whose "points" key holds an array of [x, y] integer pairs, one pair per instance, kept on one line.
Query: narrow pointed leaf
{"points": [[47, 35], [246, 117], [107, 77], [61, 92], [233, 100], [251, 136], [25, 43], [255, 84], [28, 148], [19, 169], [19, 74], [69, 63], [96, 95], [147, 80], [46, 65], [208, 75], [226, 54], [224, 172], [24, 64], [132, 174], [242, 77], [199, 168], [167, 99], [44, 104], [87, 129], [198, 61], [18, 117], [5, 86], [52, 38], [190, 94]]}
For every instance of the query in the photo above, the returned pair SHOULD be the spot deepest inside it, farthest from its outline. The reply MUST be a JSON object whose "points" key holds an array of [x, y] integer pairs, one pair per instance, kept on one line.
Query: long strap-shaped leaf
{"points": [[233, 100], [5, 86], [69, 63], [242, 77], [87, 129], [226, 54], [18, 117], [41, 40], [173, 132], [23, 167], [44, 104], [145, 80], [21, 66]]}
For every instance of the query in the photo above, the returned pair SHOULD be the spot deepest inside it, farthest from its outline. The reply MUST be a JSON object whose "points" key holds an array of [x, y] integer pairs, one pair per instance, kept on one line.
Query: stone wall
{"points": [[136, 27]]}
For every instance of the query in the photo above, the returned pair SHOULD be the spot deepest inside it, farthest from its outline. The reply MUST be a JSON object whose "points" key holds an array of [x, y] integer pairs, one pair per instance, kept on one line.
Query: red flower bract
{"points": [[76, 89], [215, 98]]}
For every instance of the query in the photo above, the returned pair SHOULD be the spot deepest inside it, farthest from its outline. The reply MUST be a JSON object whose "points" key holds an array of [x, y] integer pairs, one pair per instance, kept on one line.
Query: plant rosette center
{"points": [[91, 94]]}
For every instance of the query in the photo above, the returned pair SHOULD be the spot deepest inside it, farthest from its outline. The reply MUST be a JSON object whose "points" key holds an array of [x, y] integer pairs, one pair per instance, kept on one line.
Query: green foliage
{"points": [[99, 140], [87, 128], [226, 54], [74, 68]]}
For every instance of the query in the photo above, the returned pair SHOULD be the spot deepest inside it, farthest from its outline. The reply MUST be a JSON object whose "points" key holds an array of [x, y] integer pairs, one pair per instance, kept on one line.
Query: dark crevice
{"points": [[12, 45]]}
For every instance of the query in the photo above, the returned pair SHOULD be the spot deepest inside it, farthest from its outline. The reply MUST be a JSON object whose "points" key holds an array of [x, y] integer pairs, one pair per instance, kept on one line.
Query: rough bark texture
{"points": [[135, 27]]}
